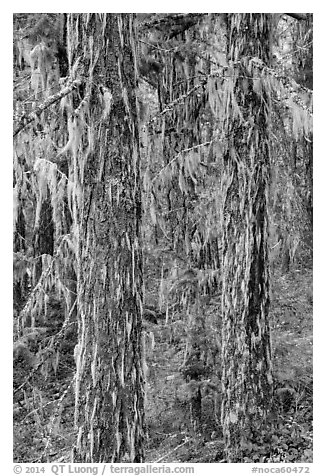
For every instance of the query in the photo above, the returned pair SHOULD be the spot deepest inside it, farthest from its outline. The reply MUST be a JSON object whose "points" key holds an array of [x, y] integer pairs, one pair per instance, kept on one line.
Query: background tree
{"points": [[178, 178]]}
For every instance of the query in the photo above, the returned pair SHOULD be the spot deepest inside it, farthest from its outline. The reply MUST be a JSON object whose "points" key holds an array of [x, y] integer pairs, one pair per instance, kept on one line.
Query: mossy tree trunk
{"points": [[109, 412], [305, 67], [20, 284], [247, 373], [43, 238]]}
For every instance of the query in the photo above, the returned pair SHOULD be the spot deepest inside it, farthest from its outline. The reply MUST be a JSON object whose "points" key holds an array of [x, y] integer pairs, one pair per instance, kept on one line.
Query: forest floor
{"points": [[44, 406]]}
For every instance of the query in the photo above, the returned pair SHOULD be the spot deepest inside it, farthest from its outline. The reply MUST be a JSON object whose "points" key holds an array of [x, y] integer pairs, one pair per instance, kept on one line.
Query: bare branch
{"points": [[26, 119], [172, 24], [174, 449], [297, 16], [168, 19], [184, 151], [175, 102], [291, 87]]}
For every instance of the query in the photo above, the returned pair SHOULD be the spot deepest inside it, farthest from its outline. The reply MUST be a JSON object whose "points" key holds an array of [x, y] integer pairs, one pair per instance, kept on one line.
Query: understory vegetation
{"points": [[44, 408]]}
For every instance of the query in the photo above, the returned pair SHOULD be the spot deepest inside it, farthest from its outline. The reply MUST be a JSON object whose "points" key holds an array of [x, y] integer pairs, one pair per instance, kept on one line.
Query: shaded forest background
{"points": [[186, 85]]}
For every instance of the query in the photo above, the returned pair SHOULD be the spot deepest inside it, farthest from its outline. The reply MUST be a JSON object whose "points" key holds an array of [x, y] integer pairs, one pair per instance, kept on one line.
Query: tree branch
{"points": [[26, 119], [297, 16], [168, 19], [292, 88], [171, 24]]}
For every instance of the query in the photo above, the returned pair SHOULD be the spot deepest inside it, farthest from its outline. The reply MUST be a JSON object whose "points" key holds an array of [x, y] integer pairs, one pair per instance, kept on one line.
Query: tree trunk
{"points": [[43, 238], [246, 352], [20, 282], [195, 410], [109, 412]]}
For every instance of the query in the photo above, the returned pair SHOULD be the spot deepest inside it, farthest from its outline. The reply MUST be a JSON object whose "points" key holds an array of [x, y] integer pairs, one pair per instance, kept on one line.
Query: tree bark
{"points": [[246, 351], [20, 282], [43, 238], [109, 411]]}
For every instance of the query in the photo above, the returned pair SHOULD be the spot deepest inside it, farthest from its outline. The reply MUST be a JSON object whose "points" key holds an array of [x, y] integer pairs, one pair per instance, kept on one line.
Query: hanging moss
{"points": [[109, 401], [247, 373]]}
